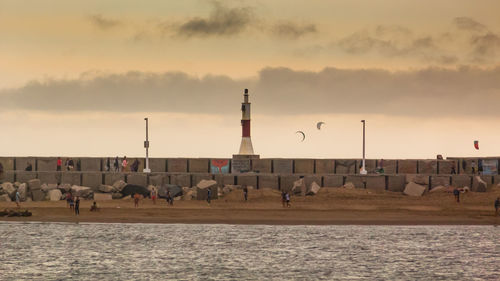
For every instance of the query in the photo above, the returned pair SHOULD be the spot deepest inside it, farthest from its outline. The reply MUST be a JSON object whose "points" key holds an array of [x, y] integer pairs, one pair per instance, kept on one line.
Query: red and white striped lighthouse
{"points": [[246, 147]]}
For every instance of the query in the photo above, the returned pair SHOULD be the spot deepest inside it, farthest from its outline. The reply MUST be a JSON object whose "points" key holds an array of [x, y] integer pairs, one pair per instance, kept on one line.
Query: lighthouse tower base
{"points": [[242, 163], [246, 147]]}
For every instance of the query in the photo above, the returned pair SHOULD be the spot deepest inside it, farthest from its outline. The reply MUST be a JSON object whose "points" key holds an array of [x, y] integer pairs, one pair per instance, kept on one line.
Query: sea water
{"points": [[91, 251]]}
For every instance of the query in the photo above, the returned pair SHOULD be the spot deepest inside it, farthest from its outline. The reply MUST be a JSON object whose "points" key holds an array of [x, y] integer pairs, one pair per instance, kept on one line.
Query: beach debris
{"points": [[303, 135], [5, 198], [103, 196], [131, 189], [12, 213], [107, 188], [479, 185], [313, 189], [413, 189], [476, 144], [38, 195], [55, 195], [203, 184], [349, 185], [119, 185], [34, 184], [319, 124]]}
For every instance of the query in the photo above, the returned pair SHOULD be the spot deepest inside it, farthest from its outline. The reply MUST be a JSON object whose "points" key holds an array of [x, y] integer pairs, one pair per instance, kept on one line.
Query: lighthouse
{"points": [[246, 147]]}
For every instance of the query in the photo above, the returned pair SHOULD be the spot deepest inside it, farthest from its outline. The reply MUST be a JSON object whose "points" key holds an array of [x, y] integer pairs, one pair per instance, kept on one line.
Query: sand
{"points": [[330, 206]]}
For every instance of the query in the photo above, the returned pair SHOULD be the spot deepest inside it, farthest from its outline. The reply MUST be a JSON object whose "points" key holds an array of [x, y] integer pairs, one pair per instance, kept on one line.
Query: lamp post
{"points": [[146, 146], [363, 168]]}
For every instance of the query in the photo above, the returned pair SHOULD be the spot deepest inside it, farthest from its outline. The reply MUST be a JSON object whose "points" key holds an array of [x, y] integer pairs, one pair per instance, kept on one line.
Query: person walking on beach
{"points": [[287, 196], [456, 192], [59, 164], [77, 206], [116, 165], [170, 200], [71, 203], [136, 200], [124, 164], [497, 205], [18, 199], [209, 194], [245, 192], [153, 195]]}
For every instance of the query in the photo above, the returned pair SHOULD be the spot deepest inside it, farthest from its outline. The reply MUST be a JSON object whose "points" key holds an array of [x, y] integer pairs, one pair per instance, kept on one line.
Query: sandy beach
{"points": [[329, 206]]}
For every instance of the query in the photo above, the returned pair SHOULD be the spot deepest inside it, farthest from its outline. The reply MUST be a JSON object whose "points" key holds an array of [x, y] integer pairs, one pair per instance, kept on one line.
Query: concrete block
{"points": [[262, 165], [111, 178], [248, 180], [413, 189], [357, 180], [345, 166], [47, 164], [8, 176], [50, 177], [158, 164], [158, 179], [224, 179], [466, 165], [199, 165], [445, 167], [177, 165], [427, 167], [94, 164], [390, 166], [25, 176], [22, 163], [396, 183], [418, 179], [461, 180], [375, 183], [220, 166], [241, 165], [481, 183], [333, 180], [92, 180], [38, 195], [407, 166], [137, 179], [7, 163], [102, 197], [268, 181], [303, 166], [370, 165], [196, 178], [325, 166], [283, 166], [309, 179], [286, 182], [34, 184], [440, 180], [183, 180]]}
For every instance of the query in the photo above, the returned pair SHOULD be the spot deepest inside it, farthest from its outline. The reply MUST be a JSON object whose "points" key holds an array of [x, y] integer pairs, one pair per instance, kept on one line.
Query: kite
{"points": [[303, 135], [318, 125], [476, 144]]}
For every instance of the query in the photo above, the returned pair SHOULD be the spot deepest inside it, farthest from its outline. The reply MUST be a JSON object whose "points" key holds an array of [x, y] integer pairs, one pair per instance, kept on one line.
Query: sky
{"points": [[77, 78]]}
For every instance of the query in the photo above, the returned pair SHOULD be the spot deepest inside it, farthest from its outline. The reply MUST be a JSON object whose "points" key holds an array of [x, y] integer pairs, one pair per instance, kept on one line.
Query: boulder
{"points": [[107, 188], [203, 184], [55, 194], [313, 189], [116, 195], [349, 185], [34, 184], [479, 185], [119, 185], [5, 198], [103, 196], [413, 189], [131, 189], [299, 187], [47, 187], [82, 191], [38, 195], [126, 197], [9, 189], [439, 188], [66, 187], [23, 191], [174, 190], [190, 195]]}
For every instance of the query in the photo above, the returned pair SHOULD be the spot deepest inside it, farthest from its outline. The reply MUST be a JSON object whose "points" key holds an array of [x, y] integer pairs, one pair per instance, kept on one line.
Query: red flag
{"points": [[476, 144]]}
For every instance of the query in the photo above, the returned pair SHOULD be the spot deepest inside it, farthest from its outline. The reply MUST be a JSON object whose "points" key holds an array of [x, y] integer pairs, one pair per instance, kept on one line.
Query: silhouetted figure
{"points": [[108, 165], [116, 164], [29, 168], [209, 195], [93, 208], [453, 172], [497, 205], [136, 200], [77, 206], [245, 193], [456, 192], [124, 164]]}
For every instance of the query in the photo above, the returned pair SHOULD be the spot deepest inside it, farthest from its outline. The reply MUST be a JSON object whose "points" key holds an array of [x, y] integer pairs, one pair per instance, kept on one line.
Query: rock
{"points": [[38, 195], [48, 187], [465, 189], [203, 184], [5, 198], [55, 194], [34, 184], [314, 188], [103, 196], [23, 191], [349, 185], [439, 188], [66, 187], [479, 185], [116, 195], [174, 190], [9, 189], [119, 185], [127, 197], [413, 189], [107, 188], [82, 191], [299, 187], [189, 195], [131, 189]]}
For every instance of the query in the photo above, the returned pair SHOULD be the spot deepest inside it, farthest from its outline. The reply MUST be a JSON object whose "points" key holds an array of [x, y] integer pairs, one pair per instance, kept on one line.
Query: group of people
{"points": [[74, 204], [122, 166]]}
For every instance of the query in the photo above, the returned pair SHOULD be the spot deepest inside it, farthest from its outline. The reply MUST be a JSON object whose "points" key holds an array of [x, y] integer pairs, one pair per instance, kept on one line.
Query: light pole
{"points": [[363, 168], [146, 145]]}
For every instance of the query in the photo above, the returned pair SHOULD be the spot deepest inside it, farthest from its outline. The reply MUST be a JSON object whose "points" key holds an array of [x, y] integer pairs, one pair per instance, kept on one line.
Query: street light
{"points": [[363, 168], [146, 146]]}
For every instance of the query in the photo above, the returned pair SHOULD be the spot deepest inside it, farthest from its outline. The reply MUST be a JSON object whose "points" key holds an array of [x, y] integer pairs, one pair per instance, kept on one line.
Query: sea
{"points": [[117, 251]]}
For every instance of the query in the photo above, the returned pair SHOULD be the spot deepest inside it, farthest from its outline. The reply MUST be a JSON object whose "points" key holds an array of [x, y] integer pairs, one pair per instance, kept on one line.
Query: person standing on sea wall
{"points": [[77, 206], [59, 164], [116, 164], [497, 205], [29, 167], [107, 168], [124, 164]]}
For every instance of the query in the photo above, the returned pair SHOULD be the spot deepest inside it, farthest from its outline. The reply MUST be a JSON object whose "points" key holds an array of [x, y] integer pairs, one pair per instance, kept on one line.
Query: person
{"points": [[66, 164], [287, 196], [124, 164], [71, 164], [497, 205], [59, 164], [77, 206], [18, 199], [1, 170], [116, 166], [209, 194], [153, 195], [170, 200], [79, 165], [136, 200], [453, 172], [108, 165], [29, 167], [456, 192], [93, 208], [135, 166], [245, 192], [71, 203], [68, 198], [473, 167], [283, 198]]}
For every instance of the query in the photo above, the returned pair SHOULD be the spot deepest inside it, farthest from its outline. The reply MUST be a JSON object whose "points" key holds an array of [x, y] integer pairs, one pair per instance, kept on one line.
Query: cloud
{"points": [[292, 30], [222, 21], [466, 23], [429, 92], [102, 22]]}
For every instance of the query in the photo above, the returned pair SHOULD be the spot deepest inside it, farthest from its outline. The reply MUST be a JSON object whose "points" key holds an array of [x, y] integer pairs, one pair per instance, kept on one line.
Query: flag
{"points": [[476, 144]]}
